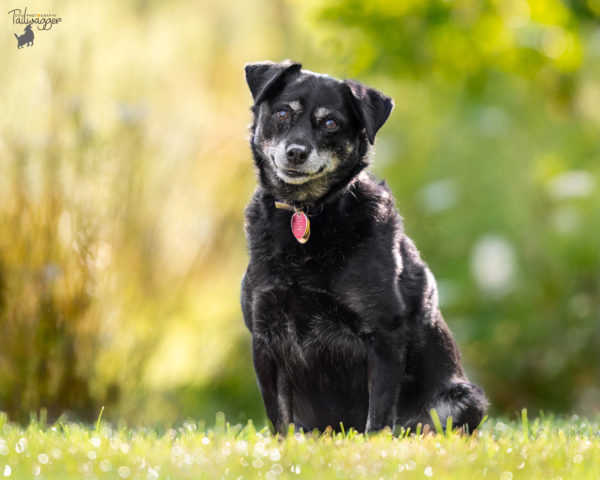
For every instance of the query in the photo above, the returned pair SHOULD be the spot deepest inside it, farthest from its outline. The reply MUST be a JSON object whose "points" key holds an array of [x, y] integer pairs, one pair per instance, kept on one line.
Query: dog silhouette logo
{"points": [[25, 39]]}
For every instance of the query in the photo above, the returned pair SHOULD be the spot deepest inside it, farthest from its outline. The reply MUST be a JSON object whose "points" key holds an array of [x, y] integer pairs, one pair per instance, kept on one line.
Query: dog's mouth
{"points": [[295, 176], [292, 172]]}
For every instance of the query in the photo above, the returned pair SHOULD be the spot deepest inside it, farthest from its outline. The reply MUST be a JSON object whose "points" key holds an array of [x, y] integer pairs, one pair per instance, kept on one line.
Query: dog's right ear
{"points": [[263, 77]]}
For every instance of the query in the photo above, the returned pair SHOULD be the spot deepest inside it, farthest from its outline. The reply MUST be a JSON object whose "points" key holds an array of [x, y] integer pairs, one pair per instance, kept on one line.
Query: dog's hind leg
{"points": [[461, 400]]}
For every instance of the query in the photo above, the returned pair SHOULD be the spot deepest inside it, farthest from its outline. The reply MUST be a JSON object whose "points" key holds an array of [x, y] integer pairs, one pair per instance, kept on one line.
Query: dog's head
{"points": [[311, 132]]}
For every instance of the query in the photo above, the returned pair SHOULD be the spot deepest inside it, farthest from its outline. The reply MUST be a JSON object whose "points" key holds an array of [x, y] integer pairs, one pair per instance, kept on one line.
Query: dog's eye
{"points": [[282, 115], [331, 124]]}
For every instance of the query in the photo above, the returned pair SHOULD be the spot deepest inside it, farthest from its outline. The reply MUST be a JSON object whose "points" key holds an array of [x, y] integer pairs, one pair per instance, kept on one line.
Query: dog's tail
{"points": [[16, 36]]}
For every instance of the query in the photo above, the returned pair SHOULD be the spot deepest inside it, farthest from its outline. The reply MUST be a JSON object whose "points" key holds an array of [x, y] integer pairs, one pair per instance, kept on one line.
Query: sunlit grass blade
{"points": [[220, 422], [449, 425], [99, 418], [483, 420], [525, 424], [436, 421]]}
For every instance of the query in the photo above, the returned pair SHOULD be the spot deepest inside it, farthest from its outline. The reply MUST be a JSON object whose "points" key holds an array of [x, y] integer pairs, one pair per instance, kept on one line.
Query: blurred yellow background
{"points": [[125, 168]]}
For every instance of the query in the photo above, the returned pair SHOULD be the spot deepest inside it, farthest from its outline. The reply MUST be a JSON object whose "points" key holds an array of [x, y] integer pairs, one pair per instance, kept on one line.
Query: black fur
{"points": [[346, 327]]}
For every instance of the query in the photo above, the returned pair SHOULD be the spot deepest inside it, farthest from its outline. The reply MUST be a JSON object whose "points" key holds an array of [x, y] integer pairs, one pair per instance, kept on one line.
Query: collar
{"points": [[309, 211]]}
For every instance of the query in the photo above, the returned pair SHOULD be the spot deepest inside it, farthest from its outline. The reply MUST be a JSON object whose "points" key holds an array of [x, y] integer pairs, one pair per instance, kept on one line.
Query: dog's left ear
{"points": [[263, 77], [371, 106]]}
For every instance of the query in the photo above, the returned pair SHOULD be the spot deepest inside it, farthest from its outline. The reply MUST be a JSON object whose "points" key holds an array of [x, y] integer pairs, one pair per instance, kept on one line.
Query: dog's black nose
{"points": [[296, 154]]}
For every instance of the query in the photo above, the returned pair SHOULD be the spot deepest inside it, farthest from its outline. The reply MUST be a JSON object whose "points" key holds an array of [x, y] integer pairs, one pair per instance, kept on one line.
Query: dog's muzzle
{"points": [[298, 163]]}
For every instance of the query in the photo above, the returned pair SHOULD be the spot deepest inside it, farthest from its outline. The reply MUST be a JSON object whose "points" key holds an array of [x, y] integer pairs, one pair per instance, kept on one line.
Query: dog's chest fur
{"points": [[296, 312], [307, 327]]}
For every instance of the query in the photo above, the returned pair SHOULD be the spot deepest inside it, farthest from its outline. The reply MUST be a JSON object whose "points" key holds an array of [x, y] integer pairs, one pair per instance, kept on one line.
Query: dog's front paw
{"points": [[280, 428], [374, 427]]}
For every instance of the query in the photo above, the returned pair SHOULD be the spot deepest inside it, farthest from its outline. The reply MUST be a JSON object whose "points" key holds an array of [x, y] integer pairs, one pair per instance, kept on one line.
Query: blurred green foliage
{"points": [[124, 171]]}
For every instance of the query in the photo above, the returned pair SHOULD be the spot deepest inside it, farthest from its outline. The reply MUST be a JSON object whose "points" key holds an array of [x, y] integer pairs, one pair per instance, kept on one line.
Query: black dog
{"points": [[343, 312]]}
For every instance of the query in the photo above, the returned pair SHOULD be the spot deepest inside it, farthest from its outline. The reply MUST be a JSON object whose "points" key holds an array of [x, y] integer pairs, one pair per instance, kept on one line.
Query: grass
{"points": [[548, 448]]}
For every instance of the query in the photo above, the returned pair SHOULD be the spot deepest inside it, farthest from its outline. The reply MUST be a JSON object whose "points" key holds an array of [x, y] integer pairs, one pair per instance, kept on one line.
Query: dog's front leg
{"points": [[384, 333], [386, 359], [274, 387]]}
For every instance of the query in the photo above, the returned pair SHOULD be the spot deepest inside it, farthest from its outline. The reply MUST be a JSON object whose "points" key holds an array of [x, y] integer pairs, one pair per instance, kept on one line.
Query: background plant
{"points": [[124, 171]]}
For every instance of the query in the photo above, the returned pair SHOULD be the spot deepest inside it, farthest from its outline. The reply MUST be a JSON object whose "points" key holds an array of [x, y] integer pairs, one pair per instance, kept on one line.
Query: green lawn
{"points": [[547, 447]]}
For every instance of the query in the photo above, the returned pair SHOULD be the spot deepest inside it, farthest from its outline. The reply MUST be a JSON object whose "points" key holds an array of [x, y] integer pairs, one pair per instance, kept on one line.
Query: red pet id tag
{"points": [[300, 227]]}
